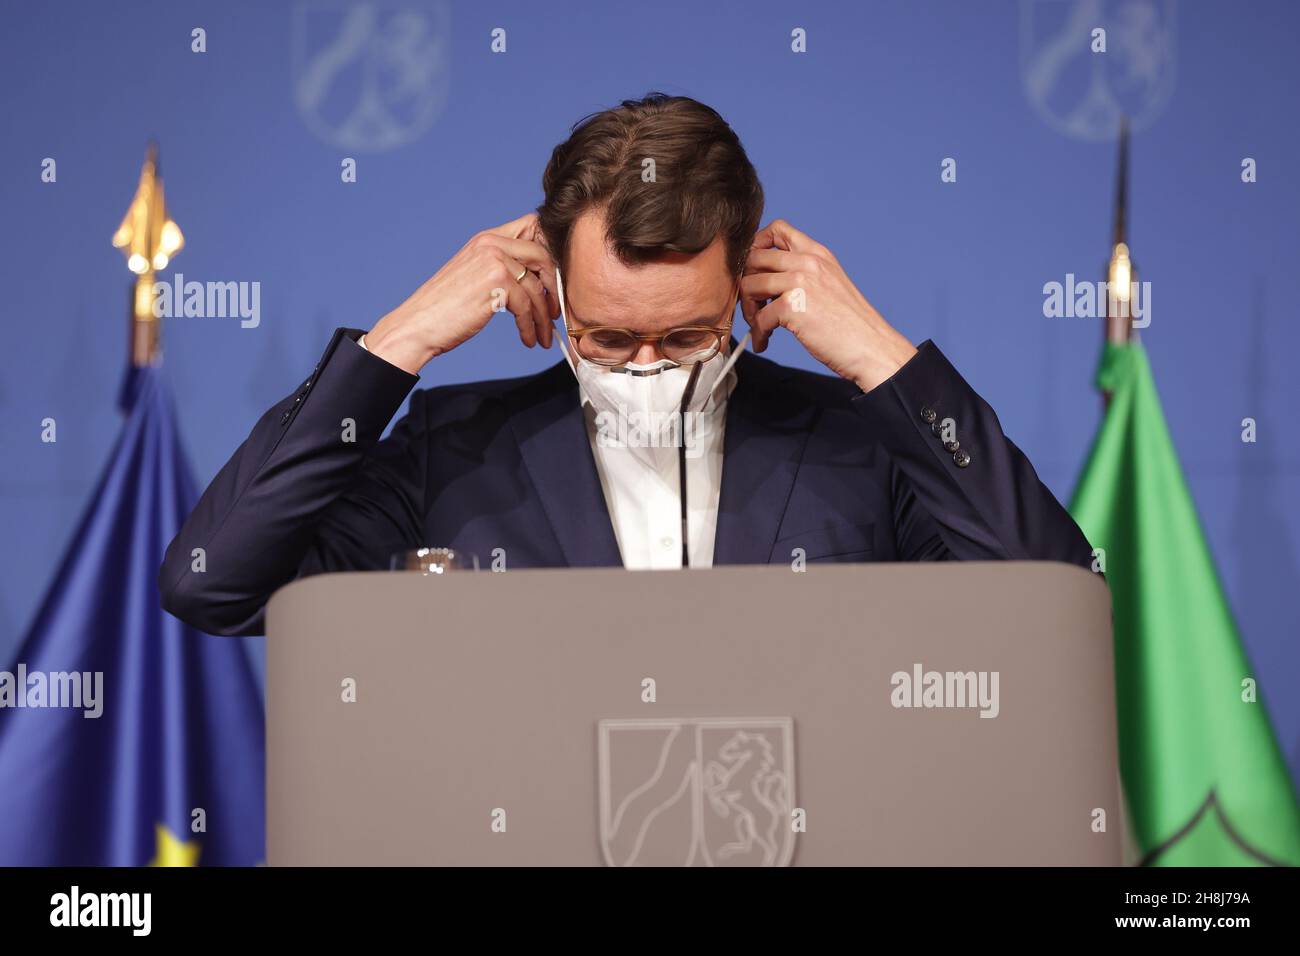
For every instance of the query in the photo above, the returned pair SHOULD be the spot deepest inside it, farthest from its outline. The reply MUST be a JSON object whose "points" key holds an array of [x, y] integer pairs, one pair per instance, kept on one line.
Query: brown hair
{"points": [[704, 185]]}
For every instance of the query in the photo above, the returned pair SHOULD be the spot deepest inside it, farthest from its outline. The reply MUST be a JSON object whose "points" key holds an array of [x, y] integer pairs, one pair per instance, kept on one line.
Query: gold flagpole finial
{"points": [[149, 240]]}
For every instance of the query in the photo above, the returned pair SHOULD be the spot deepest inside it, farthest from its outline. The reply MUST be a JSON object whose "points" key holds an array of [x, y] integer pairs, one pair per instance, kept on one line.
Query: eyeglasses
{"points": [[684, 345]]}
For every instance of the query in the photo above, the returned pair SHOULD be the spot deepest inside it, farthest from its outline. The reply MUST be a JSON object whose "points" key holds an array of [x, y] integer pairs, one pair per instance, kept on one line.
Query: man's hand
{"points": [[794, 282], [458, 301]]}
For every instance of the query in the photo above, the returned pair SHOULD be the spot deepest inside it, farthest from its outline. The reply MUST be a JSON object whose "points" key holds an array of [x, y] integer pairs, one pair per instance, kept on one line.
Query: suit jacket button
{"points": [[928, 415], [284, 419], [951, 445], [961, 459]]}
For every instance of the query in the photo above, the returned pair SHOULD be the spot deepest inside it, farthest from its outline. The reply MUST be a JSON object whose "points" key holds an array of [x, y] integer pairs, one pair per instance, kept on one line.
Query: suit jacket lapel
{"points": [[549, 426], [765, 438]]}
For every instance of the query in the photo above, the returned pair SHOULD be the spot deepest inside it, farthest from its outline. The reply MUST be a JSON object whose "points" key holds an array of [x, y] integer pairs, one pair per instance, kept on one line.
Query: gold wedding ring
{"points": [[520, 277]]}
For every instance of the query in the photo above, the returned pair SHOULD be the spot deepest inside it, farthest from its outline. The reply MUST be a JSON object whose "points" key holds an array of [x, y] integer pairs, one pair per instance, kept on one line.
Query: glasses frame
{"points": [[721, 333]]}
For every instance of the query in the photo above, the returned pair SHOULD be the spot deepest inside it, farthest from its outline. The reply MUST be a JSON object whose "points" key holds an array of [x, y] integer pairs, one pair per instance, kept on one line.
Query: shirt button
{"points": [[961, 459], [928, 414], [667, 542]]}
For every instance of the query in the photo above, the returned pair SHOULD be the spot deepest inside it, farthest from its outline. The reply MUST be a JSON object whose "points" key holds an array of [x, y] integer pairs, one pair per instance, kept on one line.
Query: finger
{"points": [[527, 291], [750, 306], [765, 322], [779, 234], [524, 226], [524, 280], [767, 285], [529, 253], [779, 260], [523, 321], [553, 304], [519, 302], [541, 311]]}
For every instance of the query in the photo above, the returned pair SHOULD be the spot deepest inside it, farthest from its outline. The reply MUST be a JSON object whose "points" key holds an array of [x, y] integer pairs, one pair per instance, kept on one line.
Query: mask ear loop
{"points": [[726, 369], [566, 344]]}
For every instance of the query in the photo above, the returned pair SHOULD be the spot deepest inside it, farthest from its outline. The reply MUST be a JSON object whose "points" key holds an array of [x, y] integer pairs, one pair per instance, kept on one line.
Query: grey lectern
{"points": [[741, 716]]}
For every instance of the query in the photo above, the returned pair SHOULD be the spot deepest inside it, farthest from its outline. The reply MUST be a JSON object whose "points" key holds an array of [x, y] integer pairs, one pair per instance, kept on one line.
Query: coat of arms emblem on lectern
{"points": [[704, 791]]}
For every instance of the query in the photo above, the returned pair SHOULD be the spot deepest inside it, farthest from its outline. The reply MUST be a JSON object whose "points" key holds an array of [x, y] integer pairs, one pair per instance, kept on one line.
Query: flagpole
{"points": [[145, 340], [1121, 273]]}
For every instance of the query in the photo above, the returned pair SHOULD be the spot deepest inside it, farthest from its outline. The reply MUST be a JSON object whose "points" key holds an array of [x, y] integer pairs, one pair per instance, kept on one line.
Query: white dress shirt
{"points": [[641, 488]]}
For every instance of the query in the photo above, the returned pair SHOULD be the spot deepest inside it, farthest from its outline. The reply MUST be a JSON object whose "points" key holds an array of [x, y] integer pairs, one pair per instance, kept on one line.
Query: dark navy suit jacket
{"points": [[810, 462]]}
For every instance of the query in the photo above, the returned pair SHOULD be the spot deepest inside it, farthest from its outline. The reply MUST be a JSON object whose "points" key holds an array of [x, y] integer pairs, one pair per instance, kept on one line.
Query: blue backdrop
{"points": [[848, 137]]}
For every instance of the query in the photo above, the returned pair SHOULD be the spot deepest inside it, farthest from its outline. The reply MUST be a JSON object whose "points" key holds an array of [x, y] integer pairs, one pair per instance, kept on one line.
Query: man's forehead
{"points": [[678, 289], [648, 308]]}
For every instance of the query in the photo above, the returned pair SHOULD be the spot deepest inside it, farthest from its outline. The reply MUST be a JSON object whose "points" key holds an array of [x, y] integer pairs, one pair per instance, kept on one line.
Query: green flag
{"points": [[1204, 779]]}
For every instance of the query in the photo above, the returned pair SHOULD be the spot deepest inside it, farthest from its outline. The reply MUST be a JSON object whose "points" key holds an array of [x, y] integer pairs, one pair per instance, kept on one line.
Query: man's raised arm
{"points": [[313, 489], [259, 524]]}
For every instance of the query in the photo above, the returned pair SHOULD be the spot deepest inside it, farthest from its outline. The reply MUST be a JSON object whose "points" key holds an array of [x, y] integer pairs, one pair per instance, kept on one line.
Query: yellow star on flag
{"points": [[173, 851]]}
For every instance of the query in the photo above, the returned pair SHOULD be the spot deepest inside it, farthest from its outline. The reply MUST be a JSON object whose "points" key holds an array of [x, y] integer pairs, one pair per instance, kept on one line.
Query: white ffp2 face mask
{"points": [[651, 392]]}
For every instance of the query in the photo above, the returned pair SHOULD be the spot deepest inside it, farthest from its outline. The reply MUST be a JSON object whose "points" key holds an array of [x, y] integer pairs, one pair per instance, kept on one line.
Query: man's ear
{"points": [[536, 235]]}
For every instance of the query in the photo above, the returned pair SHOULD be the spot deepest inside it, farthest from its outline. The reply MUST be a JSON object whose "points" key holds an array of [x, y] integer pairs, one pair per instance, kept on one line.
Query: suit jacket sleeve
{"points": [[312, 489], [982, 501]]}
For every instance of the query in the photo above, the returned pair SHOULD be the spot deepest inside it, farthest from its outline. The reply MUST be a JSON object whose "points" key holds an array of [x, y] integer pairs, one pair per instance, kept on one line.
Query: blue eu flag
{"points": [[126, 737]]}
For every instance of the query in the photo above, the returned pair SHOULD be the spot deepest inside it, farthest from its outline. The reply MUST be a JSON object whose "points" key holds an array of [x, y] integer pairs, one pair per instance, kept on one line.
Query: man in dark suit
{"points": [[658, 441]]}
